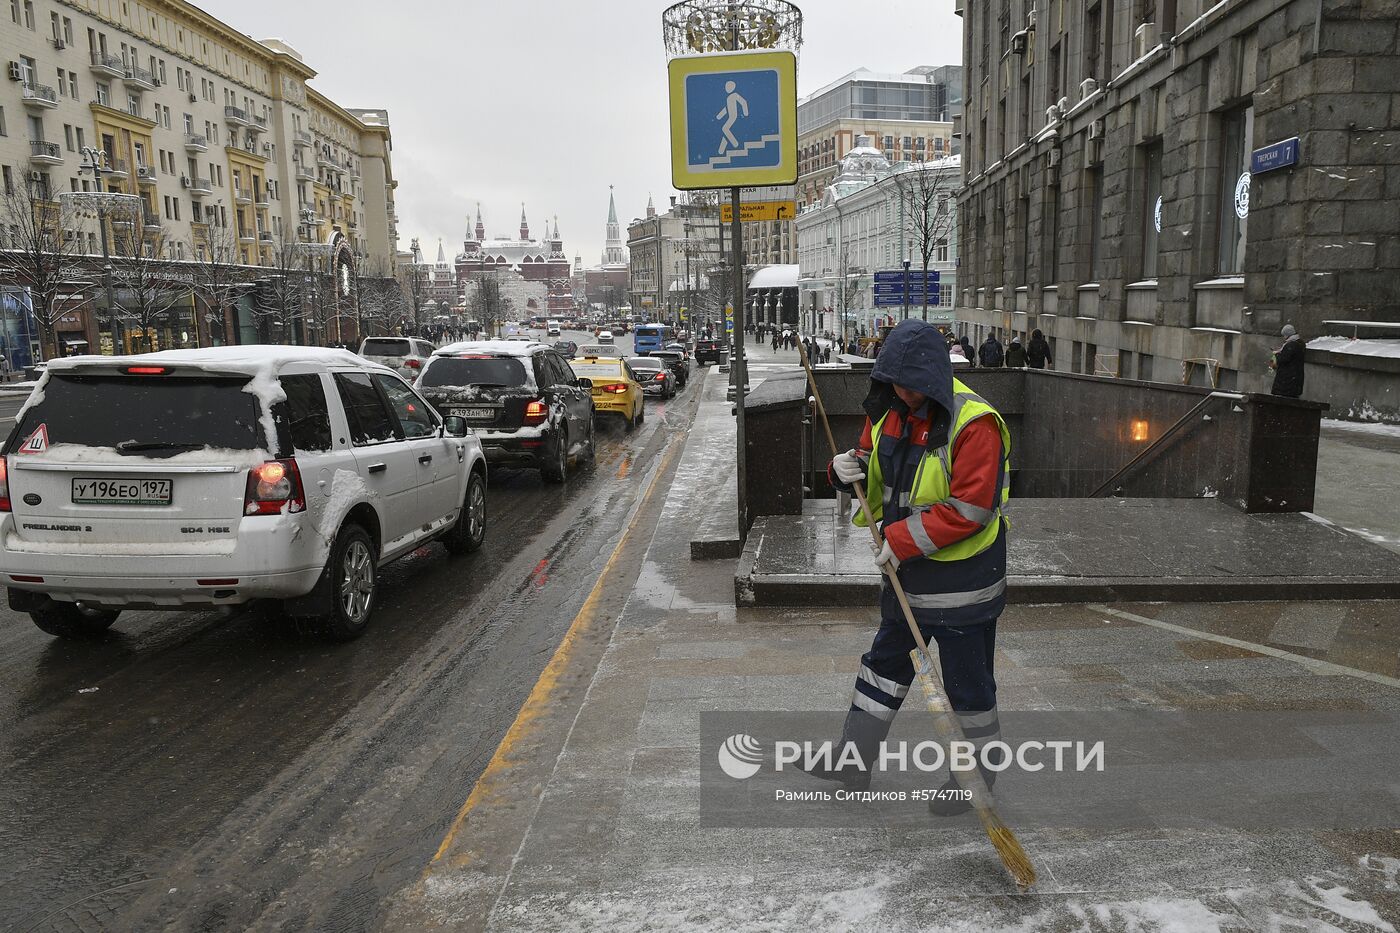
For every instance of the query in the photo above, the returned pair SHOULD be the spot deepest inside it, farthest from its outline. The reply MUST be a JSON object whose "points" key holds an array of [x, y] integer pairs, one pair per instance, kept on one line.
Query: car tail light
{"points": [[617, 388], [413, 364], [274, 487], [4, 484], [660, 377], [146, 370], [535, 412]]}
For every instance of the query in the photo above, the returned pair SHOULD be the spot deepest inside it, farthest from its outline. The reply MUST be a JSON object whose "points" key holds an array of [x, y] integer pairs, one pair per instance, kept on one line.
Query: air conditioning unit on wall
{"points": [[1096, 129], [1144, 39], [16, 72], [1087, 87]]}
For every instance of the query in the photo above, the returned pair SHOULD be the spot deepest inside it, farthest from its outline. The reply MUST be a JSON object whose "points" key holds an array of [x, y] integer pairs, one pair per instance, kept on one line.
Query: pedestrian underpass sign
{"points": [[733, 120]]}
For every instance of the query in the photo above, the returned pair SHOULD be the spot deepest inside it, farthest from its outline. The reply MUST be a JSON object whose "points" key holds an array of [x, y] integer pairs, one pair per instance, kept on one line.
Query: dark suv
{"points": [[522, 400], [709, 350]]}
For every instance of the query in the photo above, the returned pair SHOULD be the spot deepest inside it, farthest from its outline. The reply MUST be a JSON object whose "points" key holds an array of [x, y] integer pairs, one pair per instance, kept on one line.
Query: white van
{"points": [[210, 478], [552, 329]]}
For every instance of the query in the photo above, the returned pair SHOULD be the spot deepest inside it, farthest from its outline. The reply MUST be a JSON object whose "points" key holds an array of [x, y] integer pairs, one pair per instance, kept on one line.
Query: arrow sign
{"points": [[759, 210]]}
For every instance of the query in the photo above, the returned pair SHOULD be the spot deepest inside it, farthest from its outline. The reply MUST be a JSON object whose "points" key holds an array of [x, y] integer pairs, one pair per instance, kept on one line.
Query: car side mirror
{"points": [[583, 382], [455, 426]]}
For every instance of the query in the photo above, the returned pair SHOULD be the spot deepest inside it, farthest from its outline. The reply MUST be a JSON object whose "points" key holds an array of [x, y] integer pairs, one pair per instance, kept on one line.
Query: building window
{"points": [[1093, 41], [1094, 181], [1151, 207], [103, 94], [1236, 133]]}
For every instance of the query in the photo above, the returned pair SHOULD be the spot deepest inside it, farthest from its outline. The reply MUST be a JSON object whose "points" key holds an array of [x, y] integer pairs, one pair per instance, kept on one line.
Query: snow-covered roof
{"points": [[498, 347], [1363, 347], [253, 360], [784, 276]]}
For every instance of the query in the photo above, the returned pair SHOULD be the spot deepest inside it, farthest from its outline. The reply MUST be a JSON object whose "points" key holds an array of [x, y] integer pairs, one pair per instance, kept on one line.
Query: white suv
{"points": [[201, 478], [404, 355]]}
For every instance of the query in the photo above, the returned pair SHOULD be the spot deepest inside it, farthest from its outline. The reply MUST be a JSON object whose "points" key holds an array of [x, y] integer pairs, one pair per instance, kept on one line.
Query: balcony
{"points": [[44, 153], [107, 66], [145, 175], [304, 173], [302, 138], [236, 116], [265, 236], [262, 200], [246, 235], [259, 124], [198, 187], [39, 96], [242, 196], [196, 143], [326, 160], [117, 169], [150, 220], [140, 77]]}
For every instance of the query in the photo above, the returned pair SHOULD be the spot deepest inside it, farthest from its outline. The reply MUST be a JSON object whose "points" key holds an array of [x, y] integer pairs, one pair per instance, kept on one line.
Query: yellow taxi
{"points": [[616, 388]]}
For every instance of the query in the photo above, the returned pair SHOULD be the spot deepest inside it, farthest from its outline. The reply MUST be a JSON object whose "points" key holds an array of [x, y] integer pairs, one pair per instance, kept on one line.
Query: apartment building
{"points": [[220, 136], [1161, 185]]}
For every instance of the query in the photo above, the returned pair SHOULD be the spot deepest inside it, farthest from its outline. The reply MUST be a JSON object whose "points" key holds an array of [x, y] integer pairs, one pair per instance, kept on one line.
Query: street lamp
{"points": [[95, 161], [906, 289], [417, 285]]}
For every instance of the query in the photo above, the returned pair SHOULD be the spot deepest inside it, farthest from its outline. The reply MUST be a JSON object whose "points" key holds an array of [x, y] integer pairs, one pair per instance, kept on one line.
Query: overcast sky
{"points": [[545, 101]]}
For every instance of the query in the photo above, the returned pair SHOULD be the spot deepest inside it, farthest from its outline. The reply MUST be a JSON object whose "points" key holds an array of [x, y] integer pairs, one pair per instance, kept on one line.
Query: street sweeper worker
{"points": [[934, 458]]}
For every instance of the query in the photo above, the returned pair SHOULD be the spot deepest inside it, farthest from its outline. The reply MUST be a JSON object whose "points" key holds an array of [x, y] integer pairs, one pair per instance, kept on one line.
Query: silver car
{"points": [[654, 375], [405, 355]]}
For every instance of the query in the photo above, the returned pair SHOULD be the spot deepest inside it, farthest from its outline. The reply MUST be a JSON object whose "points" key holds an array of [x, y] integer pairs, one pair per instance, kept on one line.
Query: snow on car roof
{"points": [[498, 347], [253, 360]]}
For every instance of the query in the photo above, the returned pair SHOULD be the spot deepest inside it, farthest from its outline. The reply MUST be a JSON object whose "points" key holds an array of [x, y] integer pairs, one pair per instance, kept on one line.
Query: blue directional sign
{"points": [[1275, 155], [896, 301], [896, 277], [734, 120]]}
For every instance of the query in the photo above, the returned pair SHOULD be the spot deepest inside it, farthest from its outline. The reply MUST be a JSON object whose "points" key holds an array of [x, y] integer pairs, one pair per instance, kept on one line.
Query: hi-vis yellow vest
{"points": [[931, 485]]}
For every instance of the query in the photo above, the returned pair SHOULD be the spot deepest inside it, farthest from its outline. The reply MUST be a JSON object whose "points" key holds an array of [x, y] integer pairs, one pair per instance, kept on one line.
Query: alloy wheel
{"points": [[357, 581]]}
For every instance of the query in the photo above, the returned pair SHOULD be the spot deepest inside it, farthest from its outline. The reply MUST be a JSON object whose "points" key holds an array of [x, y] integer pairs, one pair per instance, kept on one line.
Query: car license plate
{"points": [[121, 491], [473, 412]]}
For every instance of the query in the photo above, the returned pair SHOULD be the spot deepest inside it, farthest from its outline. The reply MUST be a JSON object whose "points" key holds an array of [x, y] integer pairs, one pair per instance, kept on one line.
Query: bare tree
{"points": [[44, 253], [220, 277], [149, 289], [280, 297], [383, 303], [929, 213], [487, 301]]}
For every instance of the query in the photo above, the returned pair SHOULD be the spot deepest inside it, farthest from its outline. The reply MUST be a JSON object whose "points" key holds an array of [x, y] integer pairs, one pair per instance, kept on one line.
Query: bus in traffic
{"points": [[648, 337]]}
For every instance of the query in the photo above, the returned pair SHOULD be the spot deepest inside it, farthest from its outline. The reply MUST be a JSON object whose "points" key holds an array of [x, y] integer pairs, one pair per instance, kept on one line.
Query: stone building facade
{"points": [[533, 273], [1113, 195]]}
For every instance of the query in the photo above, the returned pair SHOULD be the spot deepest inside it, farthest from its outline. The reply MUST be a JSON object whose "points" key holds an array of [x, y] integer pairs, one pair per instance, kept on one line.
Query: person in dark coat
{"points": [[967, 349], [1016, 354], [1038, 351], [990, 353], [1287, 364]]}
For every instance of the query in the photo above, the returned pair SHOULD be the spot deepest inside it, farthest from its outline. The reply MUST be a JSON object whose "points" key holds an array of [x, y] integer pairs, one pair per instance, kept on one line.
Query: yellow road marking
{"points": [[492, 779]]}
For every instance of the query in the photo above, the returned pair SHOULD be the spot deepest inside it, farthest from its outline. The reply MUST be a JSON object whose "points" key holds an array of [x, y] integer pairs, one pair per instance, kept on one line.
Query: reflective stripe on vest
{"points": [[931, 484]]}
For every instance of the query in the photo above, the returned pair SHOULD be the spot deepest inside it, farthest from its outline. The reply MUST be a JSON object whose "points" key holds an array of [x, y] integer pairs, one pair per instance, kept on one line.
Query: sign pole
{"points": [[739, 371]]}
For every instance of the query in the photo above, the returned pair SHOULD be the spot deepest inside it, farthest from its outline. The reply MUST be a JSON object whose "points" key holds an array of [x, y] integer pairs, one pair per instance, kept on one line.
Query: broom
{"points": [[1013, 856]]}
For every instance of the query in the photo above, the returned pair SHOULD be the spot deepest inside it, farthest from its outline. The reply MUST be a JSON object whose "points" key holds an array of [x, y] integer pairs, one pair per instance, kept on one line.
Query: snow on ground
{"points": [[1363, 427], [894, 897]]}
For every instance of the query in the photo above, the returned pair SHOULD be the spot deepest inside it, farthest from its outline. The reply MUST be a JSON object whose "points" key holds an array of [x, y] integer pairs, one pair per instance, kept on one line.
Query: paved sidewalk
{"points": [[610, 837]]}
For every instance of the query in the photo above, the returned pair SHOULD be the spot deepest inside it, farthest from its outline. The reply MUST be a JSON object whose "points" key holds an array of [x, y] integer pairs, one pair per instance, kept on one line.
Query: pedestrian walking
{"points": [[935, 457], [1287, 364], [1038, 351], [967, 350], [990, 353], [1016, 354], [775, 341]]}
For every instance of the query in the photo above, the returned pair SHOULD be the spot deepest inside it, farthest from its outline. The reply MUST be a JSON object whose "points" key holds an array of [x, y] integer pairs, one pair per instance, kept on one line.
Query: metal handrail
{"points": [[1156, 445]]}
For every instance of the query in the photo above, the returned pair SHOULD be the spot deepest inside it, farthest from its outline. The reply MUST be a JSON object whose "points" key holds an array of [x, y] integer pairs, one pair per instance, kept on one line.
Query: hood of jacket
{"points": [[915, 355]]}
